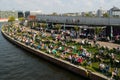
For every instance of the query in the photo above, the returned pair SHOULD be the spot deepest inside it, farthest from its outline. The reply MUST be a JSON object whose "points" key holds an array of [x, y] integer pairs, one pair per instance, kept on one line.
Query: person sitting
{"points": [[58, 37], [118, 49], [89, 62], [81, 48], [80, 60], [83, 54], [49, 51], [102, 67], [83, 42], [27, 42], [51, 46], [42, 46], [112, 56], [117, 37], [107, 67], [32, 44], [101, 52], [54, 51], [62, 56], [70, 58], [38, 47], [116, 61], [89, 43], [108, 38], [60, 48], [88, 55], [45, 47], [95, 39], [40, 42], [67, 50], [73, 59], [115, 74]]}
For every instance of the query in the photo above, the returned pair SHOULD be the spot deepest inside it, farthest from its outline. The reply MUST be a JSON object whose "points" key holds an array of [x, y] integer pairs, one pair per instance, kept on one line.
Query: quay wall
{"points": [[62, 63]]}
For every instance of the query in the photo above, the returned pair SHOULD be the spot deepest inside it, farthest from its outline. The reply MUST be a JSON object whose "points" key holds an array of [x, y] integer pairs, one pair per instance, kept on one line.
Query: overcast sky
{"points": [[59, 6]]}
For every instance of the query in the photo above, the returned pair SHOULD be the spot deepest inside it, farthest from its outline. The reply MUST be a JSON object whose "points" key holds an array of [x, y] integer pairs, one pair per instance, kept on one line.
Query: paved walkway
{"points": [[110, 45]]}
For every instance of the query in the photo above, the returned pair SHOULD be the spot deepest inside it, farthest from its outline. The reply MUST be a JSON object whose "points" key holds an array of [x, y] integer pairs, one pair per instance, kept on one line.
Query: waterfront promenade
{"points": [[61, 54], [19, 64]]}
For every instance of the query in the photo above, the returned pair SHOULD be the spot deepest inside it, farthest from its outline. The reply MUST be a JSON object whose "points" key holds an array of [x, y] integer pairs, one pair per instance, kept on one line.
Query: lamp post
{"points": [[111, 29], [111, 32], [64, 26]]}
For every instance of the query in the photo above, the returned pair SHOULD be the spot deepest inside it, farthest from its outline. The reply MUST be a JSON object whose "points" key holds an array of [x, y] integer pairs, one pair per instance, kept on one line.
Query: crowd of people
{"points": [[65, 48]]}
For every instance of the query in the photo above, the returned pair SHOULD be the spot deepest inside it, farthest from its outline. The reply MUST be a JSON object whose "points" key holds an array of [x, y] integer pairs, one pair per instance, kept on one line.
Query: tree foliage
{"points": [[44, 25], [98, 30], [87, 15], [21, 19], [11, 19], [58, 26], [76, 28], [36, 24], [105, 15], [54, 13]]}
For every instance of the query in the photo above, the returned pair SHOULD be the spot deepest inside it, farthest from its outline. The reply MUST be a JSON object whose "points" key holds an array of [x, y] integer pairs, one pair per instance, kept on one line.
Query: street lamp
{"points": [[111, 32], [64, 26], [111, 29]]}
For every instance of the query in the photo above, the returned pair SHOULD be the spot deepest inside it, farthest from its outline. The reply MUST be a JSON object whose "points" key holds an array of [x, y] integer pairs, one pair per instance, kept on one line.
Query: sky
{"points": [[58, 6]]}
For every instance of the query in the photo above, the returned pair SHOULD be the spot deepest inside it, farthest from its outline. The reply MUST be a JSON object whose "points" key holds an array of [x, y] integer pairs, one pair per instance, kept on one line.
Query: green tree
{"points": [[11, 19], [54, 14], [36, 24], [44, 26], [87, 15], [21, 19], [98, 30], [77, 30], [105, 15], [30, 24], [58, 27]]}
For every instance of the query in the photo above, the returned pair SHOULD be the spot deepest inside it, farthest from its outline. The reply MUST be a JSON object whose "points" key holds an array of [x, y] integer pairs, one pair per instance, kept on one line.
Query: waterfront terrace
{"points": [[82, 54]]}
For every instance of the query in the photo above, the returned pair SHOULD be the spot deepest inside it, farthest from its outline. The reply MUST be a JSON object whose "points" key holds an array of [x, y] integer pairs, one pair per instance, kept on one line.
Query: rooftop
{"points": [[115, 9]]}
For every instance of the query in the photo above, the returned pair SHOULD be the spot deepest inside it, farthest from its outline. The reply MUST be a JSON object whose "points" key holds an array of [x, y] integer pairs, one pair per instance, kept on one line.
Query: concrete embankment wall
{"points": [[65, 64]]}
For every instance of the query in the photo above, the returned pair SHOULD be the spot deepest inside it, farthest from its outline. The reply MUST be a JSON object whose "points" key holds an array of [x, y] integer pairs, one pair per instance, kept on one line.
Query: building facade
{"points": [[27, 14], [7, 14], [114, 12]]}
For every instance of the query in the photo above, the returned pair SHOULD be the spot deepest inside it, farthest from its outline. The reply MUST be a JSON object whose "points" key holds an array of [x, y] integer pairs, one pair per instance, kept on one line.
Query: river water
{"points": [[18, 64]]}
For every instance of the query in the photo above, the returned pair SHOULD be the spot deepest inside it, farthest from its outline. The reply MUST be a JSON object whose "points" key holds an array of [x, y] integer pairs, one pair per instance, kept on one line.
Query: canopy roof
{"points": [[115, 9]]}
